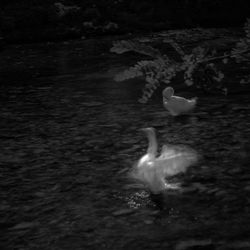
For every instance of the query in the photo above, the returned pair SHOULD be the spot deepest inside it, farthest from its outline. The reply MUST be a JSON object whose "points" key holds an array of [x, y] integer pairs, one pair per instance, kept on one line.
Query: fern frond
{"points": [[142, 68], [176, 46], [148, 90], [198, 67], [247, 28], [123, 46], [130, 73]]}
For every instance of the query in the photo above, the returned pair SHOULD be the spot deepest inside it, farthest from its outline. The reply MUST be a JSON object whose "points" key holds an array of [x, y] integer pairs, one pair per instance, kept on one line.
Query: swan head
{"points": [[168, 92], [148, 131]]}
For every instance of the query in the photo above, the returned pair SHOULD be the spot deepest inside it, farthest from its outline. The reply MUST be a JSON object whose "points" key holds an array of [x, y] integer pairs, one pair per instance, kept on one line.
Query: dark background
{"points": [[39, 20], [70, 134]]}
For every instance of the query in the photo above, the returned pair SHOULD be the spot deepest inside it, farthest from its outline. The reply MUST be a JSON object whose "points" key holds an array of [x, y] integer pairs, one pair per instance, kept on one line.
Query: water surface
{"points": [[69, 135]]}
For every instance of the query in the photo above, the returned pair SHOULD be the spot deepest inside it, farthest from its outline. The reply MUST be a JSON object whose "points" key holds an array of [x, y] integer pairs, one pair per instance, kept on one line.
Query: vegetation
{"points": [[68, 19], [198, 68]]}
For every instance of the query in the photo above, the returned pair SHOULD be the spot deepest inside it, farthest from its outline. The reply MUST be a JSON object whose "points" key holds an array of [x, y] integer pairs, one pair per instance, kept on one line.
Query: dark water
{"points": [[69, 134]]}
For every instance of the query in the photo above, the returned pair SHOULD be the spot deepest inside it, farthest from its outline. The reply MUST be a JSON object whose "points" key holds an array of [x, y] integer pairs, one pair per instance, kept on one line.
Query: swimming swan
{"points": [[152, 170], [177, 105]]}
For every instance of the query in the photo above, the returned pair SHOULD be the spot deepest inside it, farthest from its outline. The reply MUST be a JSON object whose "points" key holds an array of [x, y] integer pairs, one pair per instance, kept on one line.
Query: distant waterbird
{"points": [[177, 105]]}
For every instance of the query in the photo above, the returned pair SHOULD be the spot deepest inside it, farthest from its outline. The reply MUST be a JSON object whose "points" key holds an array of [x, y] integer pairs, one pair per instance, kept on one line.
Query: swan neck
{"points": [[152, 146]]}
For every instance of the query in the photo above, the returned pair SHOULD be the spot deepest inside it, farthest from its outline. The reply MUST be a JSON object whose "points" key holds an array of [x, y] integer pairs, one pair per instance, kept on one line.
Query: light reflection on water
{"points": [[138, 199]]}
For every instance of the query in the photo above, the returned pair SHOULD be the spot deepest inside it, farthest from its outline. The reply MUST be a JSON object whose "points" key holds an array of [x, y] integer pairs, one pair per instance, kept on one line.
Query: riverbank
{"points": [[43, 21]]}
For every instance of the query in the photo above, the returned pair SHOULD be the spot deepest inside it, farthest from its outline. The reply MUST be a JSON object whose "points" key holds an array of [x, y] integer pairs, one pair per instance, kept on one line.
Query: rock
{"points": [[40, 194], [133, 186], [24, 225], [213, 190], [148, 222], [199, 187], [92, 104], [241, 245], [220, 193], [124, 211], [195, 244], [4, 207], [235, 171], [189, 189]]}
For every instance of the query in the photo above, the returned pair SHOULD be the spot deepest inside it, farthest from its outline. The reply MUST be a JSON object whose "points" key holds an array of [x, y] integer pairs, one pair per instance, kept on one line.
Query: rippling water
{"points": [[69, 134]]}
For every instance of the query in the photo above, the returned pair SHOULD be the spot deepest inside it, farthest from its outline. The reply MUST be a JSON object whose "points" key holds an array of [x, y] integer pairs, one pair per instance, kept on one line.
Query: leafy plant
{"points": [[199, 67]]}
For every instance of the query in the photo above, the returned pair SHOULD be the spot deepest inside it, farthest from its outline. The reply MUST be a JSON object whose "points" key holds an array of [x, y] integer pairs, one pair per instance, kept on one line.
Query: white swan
{"points": [[177, 105], [152, 170]]}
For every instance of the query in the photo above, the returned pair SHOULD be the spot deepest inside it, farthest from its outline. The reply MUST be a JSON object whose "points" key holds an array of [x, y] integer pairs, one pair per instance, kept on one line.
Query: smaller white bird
{"points": [[177, 105], [151, 170]]}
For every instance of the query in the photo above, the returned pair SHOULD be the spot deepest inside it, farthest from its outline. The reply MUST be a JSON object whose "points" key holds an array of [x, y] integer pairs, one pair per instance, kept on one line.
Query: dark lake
{"points": [[69, 135]]}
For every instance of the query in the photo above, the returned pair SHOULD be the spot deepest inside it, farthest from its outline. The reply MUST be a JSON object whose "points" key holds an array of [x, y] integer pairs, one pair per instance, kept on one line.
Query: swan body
{"points": [[177, 105], [152, 171]]}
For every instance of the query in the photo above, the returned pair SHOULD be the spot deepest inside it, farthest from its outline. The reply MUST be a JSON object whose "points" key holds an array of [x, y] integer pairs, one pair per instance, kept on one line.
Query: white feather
{"points": [[177, 105], [152, 171]]}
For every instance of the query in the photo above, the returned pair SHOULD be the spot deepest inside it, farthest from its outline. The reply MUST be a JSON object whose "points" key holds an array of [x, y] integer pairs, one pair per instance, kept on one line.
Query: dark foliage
{"points": [[31, 20]]}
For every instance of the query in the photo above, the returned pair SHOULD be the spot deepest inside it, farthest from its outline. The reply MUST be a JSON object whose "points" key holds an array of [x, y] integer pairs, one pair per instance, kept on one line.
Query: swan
{"points": [[177, 105], [152, 170]]}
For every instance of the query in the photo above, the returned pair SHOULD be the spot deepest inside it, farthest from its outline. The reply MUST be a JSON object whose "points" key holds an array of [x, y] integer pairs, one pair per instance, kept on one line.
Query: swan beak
{"points": [[146, 130]]}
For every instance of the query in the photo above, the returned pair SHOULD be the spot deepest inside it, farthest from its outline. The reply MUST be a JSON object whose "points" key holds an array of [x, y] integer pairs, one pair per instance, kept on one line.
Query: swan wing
{"points": [[147, 174], [174, 160], [177, 105]]}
